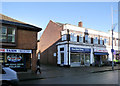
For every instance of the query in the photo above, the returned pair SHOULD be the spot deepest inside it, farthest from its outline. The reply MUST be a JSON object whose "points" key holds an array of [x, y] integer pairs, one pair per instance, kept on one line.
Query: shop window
{"points": [[2, 58], [75, 57], [27, 60], [15, 61], [87, 59], [7, 34]]}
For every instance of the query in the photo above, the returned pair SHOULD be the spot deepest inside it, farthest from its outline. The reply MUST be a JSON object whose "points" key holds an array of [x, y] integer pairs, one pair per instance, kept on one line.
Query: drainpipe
{"points": [[68, 45]]}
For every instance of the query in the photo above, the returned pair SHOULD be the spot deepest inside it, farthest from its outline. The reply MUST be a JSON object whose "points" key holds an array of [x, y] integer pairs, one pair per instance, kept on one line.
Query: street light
{"points": [[113, 27], [112, 50]]}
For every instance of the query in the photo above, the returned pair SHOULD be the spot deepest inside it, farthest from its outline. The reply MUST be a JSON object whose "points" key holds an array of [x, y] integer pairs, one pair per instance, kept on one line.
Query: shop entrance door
{"points": [[62, 58], [87, 59], [82, 59]]}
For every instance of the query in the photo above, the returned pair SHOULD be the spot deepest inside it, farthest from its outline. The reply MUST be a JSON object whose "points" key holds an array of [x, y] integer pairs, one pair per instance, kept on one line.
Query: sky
{"points": [[94, 15]]}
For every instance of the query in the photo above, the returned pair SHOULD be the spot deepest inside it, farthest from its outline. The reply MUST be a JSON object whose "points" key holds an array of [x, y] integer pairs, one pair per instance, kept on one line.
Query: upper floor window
{"points": [[64, 37], [86, 38], [73, 37], [116, 42], [101, 41], [7, 34], [106, 41], [96, 40], [80, 38], [89, 40]]}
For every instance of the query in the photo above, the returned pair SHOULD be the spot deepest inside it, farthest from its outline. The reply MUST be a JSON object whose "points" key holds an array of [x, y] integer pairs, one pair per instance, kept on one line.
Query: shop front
{"points": [[117, 56], [100, 56], [17, 59], [79, 56]]}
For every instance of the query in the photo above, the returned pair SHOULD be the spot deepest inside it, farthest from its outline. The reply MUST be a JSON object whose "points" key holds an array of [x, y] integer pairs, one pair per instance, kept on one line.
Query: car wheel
{"points": [[6, 84]]}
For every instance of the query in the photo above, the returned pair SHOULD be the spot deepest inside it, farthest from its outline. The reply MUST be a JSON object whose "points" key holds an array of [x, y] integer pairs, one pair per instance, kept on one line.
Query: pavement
{"points": [[49, 71]]}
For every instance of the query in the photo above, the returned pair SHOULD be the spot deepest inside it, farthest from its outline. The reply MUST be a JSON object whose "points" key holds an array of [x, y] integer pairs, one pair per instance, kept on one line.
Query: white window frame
{"points": [[95, 40], [81, 38], [64, 37], [101, 41]]}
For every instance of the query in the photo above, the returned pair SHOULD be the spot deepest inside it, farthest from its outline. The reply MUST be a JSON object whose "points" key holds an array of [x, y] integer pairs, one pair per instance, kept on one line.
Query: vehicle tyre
{"points": [[6, 84]]}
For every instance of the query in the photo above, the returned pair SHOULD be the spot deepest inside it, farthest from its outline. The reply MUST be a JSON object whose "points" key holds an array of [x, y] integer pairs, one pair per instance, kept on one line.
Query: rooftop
{"points": [[11, 21]]}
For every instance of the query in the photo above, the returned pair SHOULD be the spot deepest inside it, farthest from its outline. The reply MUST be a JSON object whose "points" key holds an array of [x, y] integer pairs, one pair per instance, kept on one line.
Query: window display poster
{"points": [[15, 61]]}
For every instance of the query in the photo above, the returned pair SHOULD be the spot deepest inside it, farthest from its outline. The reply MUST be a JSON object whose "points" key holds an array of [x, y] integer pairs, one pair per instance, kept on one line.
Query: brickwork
{"points": [[47, 44], [26, 39]]}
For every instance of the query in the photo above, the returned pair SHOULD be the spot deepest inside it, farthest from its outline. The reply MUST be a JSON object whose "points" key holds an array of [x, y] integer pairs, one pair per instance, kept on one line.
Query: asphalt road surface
{"points": [[108, 77]]}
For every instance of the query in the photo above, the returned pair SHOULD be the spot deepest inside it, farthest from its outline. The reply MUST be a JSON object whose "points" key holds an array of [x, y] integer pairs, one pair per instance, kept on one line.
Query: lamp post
{"points": [[113, 27], [112, 50]]}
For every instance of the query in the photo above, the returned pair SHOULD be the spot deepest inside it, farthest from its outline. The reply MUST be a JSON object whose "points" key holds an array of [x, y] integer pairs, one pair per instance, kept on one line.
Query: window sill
{"points": [[8, 44]]}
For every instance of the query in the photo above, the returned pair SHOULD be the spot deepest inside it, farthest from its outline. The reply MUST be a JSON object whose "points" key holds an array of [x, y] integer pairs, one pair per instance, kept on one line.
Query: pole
{"points": [[68, 45], [112, 38], [112, 53]]}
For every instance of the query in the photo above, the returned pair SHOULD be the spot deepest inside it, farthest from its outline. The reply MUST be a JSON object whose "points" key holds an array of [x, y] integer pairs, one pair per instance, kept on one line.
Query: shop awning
{"points": [[101, 54]]}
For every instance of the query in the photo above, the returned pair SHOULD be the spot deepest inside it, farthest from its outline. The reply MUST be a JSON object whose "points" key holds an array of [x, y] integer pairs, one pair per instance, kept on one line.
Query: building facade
{"points": [[18, 44], [70, 45]]}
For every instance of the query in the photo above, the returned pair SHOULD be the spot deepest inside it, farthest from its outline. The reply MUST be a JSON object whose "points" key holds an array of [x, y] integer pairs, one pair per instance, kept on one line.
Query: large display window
{"points": [[82, 58], [75, 57], [15, 60], [1, 57]]}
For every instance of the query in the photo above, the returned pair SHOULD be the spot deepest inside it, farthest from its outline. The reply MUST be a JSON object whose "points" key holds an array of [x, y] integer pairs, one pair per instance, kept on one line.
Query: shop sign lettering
{"points": [[11, 50], [2, 50], [15, 65], [100, 50], [76, 49], [15, 51]]}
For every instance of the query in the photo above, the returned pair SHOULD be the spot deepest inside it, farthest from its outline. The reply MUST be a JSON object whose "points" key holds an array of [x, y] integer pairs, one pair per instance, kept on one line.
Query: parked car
{"points": [[8, 77]]}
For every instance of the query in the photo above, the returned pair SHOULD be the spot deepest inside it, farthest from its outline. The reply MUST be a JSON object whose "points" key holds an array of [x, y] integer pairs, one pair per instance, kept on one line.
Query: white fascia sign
{"points": [[14, 51], [100, 50]]}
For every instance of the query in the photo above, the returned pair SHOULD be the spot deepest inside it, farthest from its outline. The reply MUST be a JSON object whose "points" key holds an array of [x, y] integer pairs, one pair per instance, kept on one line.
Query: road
{"points": [[108, 77]]}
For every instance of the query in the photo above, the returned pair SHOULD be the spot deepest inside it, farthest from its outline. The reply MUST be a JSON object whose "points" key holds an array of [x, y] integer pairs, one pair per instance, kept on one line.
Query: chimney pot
{"points": [[80, 24]]}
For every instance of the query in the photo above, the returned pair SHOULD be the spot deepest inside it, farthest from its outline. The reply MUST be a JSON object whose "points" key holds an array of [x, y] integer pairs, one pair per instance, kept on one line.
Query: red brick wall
{"points": [[47, 44], [26, 39]]}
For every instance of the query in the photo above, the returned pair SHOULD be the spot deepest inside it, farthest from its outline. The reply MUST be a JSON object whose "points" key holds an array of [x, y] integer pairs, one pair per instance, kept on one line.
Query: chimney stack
{"points": [[80, 24]]}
